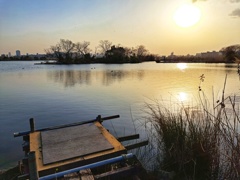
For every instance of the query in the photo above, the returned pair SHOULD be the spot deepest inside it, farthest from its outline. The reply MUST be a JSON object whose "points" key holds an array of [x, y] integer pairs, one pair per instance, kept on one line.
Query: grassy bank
{"points": [[195, 143]]}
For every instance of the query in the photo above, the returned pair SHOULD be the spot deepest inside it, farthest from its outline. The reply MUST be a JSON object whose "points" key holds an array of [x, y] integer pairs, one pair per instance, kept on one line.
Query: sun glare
{"points": [[182, 96], [187, 15], [181, 66]]}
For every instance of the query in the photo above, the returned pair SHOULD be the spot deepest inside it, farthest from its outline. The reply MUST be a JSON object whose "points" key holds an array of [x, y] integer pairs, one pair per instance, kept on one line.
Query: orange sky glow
{"points": [[32, 26]]}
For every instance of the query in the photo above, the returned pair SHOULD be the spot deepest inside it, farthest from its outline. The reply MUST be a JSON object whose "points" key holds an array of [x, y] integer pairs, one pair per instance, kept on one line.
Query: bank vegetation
{"points": [[69, 52], [200, 142]]}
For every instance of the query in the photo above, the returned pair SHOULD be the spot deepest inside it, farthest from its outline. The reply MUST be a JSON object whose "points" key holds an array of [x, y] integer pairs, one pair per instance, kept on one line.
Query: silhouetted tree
{"points": [[138, 54], [141, 51], [104, 45], [67, 48], [82, 48], [116, 55], [67, 52], [128, 52], [231, 53], [55, 52], [63, 51]]}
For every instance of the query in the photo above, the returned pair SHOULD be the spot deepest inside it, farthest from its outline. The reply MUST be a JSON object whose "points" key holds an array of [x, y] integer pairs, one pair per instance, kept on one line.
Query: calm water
{"points": [[62, 94]]}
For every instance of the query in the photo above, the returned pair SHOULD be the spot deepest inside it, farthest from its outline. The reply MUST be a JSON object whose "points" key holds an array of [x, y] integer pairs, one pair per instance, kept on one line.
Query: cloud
{"points": [[235, 13], [231, 1], [234, 1]]}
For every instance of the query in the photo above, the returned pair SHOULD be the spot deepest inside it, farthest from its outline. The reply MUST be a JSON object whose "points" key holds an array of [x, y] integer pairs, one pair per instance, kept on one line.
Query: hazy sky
{"points": [[33, 25]]}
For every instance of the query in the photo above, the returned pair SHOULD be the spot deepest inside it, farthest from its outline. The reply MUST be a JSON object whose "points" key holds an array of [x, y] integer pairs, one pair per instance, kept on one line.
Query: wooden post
{"points": [[99, 119], [20, 167], [238, 68], [33, 173], [32, 125]]}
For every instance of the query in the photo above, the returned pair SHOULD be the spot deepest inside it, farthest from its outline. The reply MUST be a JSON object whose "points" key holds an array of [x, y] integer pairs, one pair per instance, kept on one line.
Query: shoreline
{"points": [[55, 62], [10, 173]]}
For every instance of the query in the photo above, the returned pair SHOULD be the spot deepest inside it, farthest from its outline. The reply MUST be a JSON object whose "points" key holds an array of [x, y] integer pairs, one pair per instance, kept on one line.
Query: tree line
{"points": [[68, 52], [231, 53]]}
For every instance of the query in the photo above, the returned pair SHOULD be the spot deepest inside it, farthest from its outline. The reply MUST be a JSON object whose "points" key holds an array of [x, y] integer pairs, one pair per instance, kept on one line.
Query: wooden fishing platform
{"points": [[60, 148], [73, 146]]}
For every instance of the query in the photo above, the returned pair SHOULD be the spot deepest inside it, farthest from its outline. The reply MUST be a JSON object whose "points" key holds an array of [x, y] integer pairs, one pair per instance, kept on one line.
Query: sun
{"points": [[187, 15]]}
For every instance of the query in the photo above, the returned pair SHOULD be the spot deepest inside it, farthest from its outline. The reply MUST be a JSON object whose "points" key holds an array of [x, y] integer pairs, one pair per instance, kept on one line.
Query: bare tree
{"points": [[63, 51], [231, 53], [54, 51], [104, 45], [82, 48], [128, 52], [67, 47], [141, 51]]}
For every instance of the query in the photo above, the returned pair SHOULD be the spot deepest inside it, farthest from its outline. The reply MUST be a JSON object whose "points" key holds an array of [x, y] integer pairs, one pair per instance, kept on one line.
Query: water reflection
{"points": [[110, 77], [70, 78], [101, 89], [182, 96], [182, 66]]}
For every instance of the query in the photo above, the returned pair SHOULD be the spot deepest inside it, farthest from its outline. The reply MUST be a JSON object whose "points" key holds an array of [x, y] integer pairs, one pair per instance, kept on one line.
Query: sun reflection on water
{"points": [[181, 66], [182, 96]]}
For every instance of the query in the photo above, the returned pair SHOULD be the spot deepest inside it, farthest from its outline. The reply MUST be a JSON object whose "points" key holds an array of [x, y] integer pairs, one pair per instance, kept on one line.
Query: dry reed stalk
{"points": [[196, 145]]}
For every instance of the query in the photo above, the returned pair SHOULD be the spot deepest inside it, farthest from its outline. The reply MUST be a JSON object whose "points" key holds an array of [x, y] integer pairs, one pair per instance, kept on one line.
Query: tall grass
{"points": [[195, 143]]}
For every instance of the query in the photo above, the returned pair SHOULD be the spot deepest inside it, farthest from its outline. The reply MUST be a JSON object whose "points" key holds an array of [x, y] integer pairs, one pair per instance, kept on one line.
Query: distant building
{"points": [[172, 56], [18, 53], [208, 54], [36, 56], [9, 54]]}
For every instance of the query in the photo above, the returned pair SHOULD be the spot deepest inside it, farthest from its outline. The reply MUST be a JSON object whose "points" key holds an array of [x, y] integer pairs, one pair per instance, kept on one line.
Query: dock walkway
{"points": [[59, 149]]}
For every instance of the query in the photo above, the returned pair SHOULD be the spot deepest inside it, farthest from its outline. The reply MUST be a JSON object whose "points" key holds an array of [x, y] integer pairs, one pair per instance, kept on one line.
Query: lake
{"points": [[60, 94]]}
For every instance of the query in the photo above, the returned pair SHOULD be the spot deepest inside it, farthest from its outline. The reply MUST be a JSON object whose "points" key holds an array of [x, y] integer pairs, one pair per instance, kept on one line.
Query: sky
{"points": [[32, 26]]}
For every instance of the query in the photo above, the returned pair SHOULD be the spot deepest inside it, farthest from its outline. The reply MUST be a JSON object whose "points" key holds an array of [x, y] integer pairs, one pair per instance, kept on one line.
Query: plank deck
{"points": [[45, 169], [71, 142]]}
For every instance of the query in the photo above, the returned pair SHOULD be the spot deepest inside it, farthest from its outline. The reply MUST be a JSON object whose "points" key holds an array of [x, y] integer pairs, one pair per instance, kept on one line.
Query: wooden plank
{"points": [[126, 138], [126, 171], [86, 174], [64, 134], [70, 142], [33, 173], [136, 145], [72, 176], [36, 145]]}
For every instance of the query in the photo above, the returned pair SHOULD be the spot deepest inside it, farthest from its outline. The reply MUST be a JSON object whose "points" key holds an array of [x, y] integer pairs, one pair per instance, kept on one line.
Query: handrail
{"points": [[17, 134], [89, 166]]}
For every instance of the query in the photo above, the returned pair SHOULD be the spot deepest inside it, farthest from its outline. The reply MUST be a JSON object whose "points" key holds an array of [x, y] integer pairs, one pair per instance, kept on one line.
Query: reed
{"points": [[195, 142]]}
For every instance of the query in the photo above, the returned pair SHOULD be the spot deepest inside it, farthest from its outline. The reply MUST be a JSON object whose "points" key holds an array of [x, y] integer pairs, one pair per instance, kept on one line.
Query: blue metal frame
{"points": [[89, 166]]}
